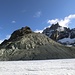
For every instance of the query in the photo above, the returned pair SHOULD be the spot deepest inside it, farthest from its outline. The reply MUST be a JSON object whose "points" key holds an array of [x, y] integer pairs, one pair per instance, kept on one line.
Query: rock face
{"points": [[61, 34], [24, 44], [18, 34]]}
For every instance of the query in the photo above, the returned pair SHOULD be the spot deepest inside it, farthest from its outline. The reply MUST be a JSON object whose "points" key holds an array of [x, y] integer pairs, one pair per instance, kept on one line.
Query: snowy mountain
{"points": [[61, 34]]}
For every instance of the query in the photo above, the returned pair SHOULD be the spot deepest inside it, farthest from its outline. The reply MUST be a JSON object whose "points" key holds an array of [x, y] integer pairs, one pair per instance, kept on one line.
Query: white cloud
{"points": [[13, 22], [1, 41], [53, 21], [63, 22], [7, 37], [38, 14], [37, 31]]}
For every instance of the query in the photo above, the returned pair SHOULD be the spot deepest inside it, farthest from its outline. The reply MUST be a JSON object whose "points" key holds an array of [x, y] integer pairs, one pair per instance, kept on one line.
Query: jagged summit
{"points": [[61, 34], [55, 26]]}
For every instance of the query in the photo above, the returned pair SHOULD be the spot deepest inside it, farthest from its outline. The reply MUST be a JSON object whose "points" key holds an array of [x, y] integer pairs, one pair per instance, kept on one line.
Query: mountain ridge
{"points": [[24, 44], [60, 34]]}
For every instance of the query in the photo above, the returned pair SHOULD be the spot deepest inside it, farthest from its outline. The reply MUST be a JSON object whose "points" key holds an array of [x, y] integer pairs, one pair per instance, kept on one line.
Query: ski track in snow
{"points": [[38, 67]]}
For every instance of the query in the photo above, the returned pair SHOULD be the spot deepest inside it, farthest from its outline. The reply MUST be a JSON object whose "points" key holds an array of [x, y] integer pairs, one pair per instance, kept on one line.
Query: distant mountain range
{"points": [[61, 34], [24, 44]]}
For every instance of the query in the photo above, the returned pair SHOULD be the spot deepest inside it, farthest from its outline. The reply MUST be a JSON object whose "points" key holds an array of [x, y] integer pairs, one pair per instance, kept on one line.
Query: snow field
{"points": [[38, 67]]}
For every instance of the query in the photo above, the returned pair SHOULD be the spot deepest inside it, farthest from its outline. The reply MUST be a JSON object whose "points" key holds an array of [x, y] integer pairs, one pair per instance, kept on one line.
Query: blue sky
{"points": [[36, 14]]}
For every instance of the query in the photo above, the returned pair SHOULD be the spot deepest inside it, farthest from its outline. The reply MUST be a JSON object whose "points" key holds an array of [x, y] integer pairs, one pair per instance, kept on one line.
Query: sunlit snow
{"points": [[38, 67], [67, 40]]}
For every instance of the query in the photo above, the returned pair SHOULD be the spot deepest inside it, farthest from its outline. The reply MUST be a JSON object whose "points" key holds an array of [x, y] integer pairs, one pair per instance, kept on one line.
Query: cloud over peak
{"points": [[62, 22], [38, 31]]}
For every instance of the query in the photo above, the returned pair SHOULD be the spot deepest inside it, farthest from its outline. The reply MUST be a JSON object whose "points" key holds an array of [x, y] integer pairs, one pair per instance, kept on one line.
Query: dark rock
{"points": [[72, 33], [55, 26]]}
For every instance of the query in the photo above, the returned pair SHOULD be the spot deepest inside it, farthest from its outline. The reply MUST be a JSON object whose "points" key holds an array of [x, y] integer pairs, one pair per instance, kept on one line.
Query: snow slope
{"points": [[38, 67], [67, 40]]}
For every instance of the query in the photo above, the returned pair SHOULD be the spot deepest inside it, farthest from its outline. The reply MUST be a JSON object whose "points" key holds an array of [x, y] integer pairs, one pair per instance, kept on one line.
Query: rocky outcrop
{"points": [[24, 44], [54, 32], [58, 33], [17, 34], [20, 32]]}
